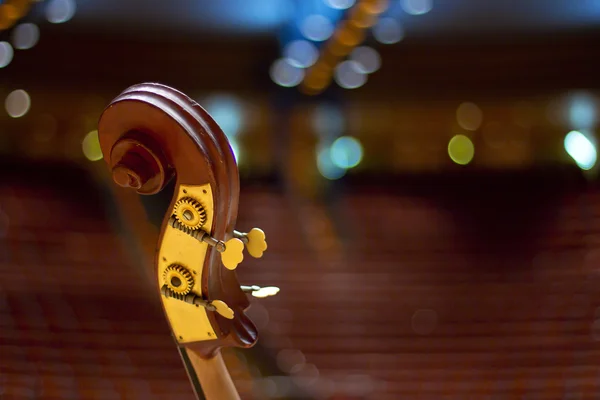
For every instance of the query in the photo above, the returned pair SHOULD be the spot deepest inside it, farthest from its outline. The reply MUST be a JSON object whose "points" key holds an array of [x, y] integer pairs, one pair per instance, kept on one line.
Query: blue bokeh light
{"points": [[227, 111], [326, 166], [302, 53], [346, 152], [582, 111], [286, 73], [581, 149], [316, 27]]}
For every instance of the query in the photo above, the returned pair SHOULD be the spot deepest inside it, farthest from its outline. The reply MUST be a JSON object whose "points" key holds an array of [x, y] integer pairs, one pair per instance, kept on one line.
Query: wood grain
{"points": [[214, 376]]}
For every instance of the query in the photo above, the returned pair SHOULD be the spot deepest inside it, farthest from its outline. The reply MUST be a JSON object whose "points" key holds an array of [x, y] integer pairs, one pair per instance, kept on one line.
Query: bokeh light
{"points": [[326, 166], [17, 103], [349, 75], [346, 152], [91, 146], [340, 4], [328, 120], [582, 111], [6, 54], [388, 31], [301, 53], [317, 28], [59, 11], [581, 149], [417, 7], [25, 36], [227, 111], [461, 149], [367, 58], [285, 73], [469, 116]]}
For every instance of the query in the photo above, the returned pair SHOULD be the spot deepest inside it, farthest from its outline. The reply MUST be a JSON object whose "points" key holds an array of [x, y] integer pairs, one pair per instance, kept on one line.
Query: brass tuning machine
{"points": [[217, 306], [231, 251]]}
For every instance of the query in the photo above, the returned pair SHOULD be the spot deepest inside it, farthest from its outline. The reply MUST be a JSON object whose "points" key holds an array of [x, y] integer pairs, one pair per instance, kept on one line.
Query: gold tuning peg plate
{"points": [[255, 241], [222, 309], [232, 253]]}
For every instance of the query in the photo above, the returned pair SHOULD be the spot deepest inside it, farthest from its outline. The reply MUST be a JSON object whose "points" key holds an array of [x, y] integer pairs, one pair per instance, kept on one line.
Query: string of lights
{"points": [[332, 40], [349, 34]]}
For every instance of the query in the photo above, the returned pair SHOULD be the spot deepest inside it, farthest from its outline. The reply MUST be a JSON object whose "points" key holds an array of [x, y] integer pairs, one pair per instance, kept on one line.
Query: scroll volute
{"points": [[151, 133]]}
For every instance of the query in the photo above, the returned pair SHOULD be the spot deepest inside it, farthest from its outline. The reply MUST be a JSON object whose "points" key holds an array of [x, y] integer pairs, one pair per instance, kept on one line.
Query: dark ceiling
{"points": [[266, 17]]}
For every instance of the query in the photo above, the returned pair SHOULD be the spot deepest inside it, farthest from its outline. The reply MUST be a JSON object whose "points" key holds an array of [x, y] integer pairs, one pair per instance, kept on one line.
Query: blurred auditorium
{"points": [[425, 172]]}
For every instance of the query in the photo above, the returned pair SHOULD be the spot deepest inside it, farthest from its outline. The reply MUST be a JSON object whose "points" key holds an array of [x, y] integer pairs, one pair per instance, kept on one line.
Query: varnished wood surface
{"points": [[197, 152], [214, 376]]}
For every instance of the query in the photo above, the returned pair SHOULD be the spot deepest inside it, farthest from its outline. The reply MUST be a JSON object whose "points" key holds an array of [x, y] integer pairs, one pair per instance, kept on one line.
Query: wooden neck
{"points": [[213, 375]]}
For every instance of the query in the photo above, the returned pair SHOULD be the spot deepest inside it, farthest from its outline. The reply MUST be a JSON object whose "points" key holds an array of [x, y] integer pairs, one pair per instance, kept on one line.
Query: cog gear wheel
{"points": [[190, 213], [178, 279]]}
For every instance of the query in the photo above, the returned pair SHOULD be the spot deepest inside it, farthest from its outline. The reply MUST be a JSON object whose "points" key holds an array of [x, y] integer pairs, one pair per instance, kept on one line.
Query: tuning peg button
{"points": [[255, 241], [222, 309], [232, 253]]}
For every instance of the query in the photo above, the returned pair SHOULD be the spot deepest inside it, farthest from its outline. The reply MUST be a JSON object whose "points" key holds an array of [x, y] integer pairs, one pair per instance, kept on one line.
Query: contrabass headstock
{"points": [[150, 134]]}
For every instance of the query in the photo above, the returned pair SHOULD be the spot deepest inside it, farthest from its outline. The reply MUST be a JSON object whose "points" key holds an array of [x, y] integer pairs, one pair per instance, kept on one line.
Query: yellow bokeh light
{"points": [[461, 149], [374, 6], [469, 116], [349, 35], [91, 146], [9, 11]]}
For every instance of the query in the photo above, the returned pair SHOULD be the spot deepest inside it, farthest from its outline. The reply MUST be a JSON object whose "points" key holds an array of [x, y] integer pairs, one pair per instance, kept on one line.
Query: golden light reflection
{"points": [[11, 11], [461, 149], [374, 7], [348, 35], [91, 146]]}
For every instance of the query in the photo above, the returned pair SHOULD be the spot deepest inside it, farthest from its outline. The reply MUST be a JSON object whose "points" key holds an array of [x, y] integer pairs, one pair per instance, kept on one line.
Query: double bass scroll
{"points": [[149, 135]]}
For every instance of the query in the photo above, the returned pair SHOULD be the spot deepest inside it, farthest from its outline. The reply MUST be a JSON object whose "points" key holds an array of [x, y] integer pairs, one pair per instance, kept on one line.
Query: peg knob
{"points": [[138, 164], [126, 177], [232, 253], [255, 240], [222, 309]]}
